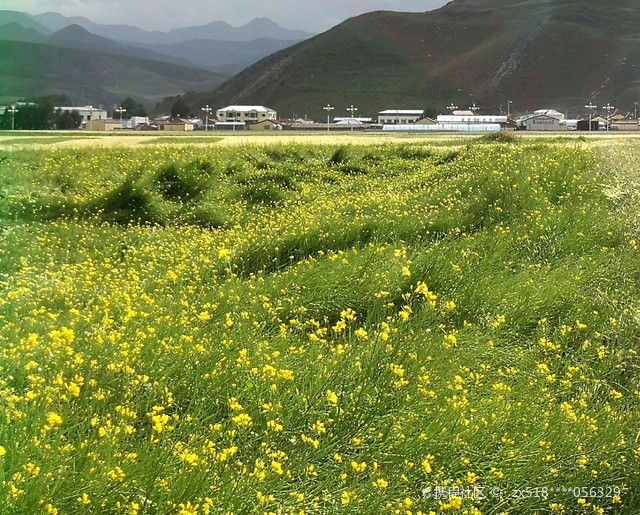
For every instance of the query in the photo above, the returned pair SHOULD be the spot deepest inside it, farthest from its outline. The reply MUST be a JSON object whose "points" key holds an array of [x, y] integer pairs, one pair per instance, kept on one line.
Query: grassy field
{"points": [[404, 326]]}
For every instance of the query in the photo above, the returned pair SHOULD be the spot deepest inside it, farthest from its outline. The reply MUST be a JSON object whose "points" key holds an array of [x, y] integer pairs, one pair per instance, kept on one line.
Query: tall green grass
{"points": [[317, 328]]}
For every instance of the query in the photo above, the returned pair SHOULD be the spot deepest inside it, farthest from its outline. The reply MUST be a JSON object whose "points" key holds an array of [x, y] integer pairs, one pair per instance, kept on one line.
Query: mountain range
{"points": [[30, 70], [531, 54], [205, 55], [218, 30], [534, 53]]}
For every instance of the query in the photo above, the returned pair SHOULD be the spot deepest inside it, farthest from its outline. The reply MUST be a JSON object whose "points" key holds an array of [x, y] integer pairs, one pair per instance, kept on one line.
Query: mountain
{"points": [[24, 20], [220, 31], [89, 76], [15, 32], [226, 57], [536, 53], [216, 46], [75, 36], [78, 37]]}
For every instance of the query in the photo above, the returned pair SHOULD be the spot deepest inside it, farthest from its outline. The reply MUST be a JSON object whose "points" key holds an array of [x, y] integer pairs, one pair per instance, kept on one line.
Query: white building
{"points": [[550, 112], [470, 119], [352, 119], [542, 120], [88, 113], [400, 116], [134, 121], [246, 114], [443, 127]]}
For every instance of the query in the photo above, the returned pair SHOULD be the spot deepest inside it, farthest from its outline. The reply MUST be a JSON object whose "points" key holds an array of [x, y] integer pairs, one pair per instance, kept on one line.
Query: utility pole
{"points": [[328, 108], [609, 108], [13, 112], [591, 107], [353, 110], [207, 110], [121, 110]]}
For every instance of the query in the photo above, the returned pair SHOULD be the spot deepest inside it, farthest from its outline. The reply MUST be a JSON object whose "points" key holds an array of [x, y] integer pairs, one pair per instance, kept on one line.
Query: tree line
{"points": [[40, 113]]}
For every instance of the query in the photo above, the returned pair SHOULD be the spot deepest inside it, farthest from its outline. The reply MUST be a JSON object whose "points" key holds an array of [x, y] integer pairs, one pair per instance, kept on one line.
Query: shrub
{"points": [[340, 156], [499, 137]]}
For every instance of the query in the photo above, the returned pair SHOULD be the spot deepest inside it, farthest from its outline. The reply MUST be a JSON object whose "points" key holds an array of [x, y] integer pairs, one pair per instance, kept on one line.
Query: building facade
{"points": [[176, 126], [246, 114], [266, 125], [473, 119], [400, 116], [88, 113], [541, 122], [105, 125]]}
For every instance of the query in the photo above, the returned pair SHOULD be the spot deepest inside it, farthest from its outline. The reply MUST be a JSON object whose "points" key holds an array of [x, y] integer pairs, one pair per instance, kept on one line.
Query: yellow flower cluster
{"points": [[275, 330]]}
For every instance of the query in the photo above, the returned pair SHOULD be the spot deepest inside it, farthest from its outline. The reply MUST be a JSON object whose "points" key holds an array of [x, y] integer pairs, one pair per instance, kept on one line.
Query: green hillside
{"points": [[24, 20], [537, 53], [28, 69], [16, 32]]}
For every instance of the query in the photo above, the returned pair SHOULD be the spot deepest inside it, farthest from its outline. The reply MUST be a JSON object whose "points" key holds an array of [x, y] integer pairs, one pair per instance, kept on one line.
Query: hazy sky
{"points": [[310, 15]]}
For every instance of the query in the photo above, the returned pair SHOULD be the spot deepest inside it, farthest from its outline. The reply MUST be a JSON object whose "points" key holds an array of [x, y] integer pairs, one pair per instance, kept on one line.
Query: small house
{"points": [[266, 125], [107, 125]]}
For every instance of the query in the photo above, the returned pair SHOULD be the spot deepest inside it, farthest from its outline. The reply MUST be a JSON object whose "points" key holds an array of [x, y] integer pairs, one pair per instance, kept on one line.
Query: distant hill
{"points": [[56, 21], [24, 20], [219, 31], [15, 32], [537, 53], [226, 57], [88, 76], [216, 46], [222, 31], [75, 36]]}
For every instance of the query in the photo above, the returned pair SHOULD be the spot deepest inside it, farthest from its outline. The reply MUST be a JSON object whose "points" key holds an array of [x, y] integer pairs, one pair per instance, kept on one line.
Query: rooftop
{"points": [[246, 109], [408, 112]]}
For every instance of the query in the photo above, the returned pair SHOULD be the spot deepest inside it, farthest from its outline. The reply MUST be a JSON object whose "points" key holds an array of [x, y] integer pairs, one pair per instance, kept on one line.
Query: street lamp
{"points": [[328, 108], [121, 110], [509, 102], [13, 112], [473, 108], [207, 110], [591, 107], [452, 107], [609, 108], [353, 110], [635, 110]]}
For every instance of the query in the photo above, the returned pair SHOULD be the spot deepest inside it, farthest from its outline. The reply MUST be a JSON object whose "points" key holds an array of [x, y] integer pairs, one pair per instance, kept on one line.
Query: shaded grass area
{"points": [[362, 324], [187, 139], [42, 140]]}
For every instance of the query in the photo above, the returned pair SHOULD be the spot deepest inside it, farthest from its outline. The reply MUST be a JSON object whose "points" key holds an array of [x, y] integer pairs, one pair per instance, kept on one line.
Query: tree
{"points": [[132, 108], [37, 113], [431, 112], [30, 116], [67, 120], [180, 109]]}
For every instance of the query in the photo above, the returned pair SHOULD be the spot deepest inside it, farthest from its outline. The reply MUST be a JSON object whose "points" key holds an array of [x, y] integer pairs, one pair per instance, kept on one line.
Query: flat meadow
{"points": [[350, 325]]}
